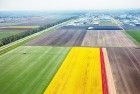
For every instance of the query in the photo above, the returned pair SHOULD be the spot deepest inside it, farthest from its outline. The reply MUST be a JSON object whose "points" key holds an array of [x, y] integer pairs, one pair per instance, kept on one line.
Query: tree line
{"points": [[21, 35]]}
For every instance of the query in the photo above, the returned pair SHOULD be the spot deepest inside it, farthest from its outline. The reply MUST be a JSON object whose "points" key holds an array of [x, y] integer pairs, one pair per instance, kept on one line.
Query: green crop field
{"points": [[7, 33], [135, 34], [29, 69]]}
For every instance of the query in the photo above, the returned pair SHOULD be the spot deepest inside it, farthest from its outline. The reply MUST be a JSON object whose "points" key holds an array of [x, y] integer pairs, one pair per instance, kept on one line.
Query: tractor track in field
{"points": [[60, 37], [125, 64]]}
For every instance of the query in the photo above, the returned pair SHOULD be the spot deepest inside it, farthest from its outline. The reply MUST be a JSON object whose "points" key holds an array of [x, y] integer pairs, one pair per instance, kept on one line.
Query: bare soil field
{"points": [[60, 37], [125, 65], [107, 38]]}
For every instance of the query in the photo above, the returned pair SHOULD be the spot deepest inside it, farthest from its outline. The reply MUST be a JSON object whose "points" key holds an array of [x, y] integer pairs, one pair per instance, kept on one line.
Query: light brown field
{"points": [[107, 38]]}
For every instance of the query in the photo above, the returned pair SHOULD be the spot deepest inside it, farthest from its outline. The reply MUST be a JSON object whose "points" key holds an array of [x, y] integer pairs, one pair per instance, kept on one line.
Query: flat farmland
{"points": [[7, 24], [32, 20], [70, 58], [43, 20], [18, 27], [60, 37], [107, 38], [80, 73], [28, 70], [7, 33], [125, 65]]}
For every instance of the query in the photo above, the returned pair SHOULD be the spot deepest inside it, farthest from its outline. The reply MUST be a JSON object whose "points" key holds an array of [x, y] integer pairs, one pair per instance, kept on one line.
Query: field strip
{"points": [[19, 42], [80, 73], [61, 37], [22, 26], [110, 80], [103, 73], [29, 70], [18, 27], [107, 38], [125, 65]]}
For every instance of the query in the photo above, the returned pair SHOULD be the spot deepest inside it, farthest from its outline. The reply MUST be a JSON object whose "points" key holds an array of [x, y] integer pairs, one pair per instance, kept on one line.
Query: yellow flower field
{"points": [[80, 73]]}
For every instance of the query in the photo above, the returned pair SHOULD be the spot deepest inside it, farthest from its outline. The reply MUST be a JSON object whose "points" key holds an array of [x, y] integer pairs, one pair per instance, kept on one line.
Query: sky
{"points": [[67, 4]]}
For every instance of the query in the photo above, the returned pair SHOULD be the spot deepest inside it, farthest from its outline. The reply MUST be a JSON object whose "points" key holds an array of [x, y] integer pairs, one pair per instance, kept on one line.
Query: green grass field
{"points": [[7, 33], [135, 34], [29, 69]]}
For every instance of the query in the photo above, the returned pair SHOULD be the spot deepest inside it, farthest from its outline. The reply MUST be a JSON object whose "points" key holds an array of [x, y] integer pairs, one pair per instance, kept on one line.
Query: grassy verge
{"points": [[29, 70]]}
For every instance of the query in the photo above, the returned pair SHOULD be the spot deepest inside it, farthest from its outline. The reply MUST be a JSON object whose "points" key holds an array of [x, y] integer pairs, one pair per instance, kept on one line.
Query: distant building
{"points": [[90, 28]]}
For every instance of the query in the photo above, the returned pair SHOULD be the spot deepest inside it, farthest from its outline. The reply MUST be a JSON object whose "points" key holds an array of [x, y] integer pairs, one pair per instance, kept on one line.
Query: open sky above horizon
{"points": [[68, 4]]}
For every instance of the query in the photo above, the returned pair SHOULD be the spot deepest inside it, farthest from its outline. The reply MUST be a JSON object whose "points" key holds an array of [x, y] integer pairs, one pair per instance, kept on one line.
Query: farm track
{"points": [[29, 70], [80, 73], [107, 38], [125, 65], [61, 37]]}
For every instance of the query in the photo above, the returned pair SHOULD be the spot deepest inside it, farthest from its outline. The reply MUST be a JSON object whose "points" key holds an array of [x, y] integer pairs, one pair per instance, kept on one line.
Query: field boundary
{"points": [[103, 73], [19, 42], [109, 74]]}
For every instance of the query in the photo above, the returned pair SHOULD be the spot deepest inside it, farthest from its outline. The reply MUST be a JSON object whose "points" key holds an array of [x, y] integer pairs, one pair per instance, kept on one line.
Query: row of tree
{"points": [[21, 35]]}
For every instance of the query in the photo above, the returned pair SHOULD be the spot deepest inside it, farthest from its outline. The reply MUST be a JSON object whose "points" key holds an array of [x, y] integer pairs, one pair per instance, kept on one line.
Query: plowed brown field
{"points": [[61, 37], [125, 65], [107, 38]]}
